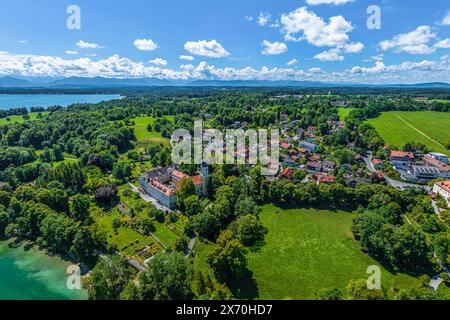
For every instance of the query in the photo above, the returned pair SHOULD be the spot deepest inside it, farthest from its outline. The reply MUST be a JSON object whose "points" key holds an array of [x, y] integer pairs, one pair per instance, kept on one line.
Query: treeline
{"points": [[24, 111], [13, 112], [53, 217]]}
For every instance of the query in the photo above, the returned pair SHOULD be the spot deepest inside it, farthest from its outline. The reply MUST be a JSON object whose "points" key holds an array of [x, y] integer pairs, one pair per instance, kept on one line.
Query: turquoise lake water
{"points": [[8, 101], [27, 273]]}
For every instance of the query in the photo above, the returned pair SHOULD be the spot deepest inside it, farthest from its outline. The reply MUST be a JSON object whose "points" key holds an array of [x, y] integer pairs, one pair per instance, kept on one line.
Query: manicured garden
{"points": [[126, 240]]}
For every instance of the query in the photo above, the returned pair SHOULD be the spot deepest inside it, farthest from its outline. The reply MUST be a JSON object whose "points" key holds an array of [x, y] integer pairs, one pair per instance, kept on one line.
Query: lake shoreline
{"points": [[29, 272]]}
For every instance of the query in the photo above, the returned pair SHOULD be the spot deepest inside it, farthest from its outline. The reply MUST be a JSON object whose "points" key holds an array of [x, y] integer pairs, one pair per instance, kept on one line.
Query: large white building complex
{"points": [[162, 183], [443, 189]]}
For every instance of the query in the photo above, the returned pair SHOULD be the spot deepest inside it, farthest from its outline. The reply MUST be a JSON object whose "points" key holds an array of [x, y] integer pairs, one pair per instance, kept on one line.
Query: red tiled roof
{"points": [[444, 185], [286, 173], [402, 154], [377, 161], [436, 163], [379, 175], [324, 178], [162, 188], [179, 174], [197, 180]]}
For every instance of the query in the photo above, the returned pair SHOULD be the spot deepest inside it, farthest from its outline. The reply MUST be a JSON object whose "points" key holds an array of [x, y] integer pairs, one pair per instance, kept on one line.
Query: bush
{"points": [[116, 223]]}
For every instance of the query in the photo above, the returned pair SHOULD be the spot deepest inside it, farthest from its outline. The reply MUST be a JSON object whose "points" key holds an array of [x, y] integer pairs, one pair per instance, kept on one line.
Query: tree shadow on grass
{"points": [[244, 288], [317, 207], [424, 267]]}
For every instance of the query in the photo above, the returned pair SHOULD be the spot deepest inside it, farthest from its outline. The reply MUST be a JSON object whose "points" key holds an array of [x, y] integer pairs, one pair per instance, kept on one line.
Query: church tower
{"points": [[204, 173]]}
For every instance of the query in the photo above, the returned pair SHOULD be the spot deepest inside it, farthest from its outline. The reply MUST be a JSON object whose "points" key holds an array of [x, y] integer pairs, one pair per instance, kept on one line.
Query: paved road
{"points": [[149, 199], [134, 263], [191, 245], [395, 183], [435, 207], [436, 280]]}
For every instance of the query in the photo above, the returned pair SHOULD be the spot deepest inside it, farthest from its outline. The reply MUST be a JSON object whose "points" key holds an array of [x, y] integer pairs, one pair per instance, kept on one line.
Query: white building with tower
{"points": [[162, 183]]}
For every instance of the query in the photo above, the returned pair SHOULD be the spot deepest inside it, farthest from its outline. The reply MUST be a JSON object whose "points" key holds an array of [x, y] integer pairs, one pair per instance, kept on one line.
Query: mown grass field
{"points": [[440, 100], [20, 119], [307, 250], [144, 137], [427, 127], [343, 113]]}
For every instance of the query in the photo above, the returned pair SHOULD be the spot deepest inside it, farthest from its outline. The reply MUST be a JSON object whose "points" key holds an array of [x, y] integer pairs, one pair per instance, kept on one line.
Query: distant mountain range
{"points": [[98, 82], [10, 82], [109, 82]]}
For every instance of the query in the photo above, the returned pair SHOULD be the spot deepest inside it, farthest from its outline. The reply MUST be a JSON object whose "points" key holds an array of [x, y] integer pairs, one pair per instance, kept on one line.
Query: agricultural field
{"points": [[20, 119], [144, 137], [307, 250], [427, 127], [343, 113]]}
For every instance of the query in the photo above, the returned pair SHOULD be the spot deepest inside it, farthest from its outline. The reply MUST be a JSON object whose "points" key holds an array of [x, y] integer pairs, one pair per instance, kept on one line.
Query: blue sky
{"points": [[326, 40]]}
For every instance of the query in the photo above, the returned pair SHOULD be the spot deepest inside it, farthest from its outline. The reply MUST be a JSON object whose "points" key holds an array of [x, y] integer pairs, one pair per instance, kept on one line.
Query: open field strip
{"points": [[408, 124], [427, 127]]}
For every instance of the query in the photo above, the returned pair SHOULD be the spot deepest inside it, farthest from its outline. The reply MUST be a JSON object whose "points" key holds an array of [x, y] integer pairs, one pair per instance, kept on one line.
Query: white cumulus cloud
{"points": [[292, 62], [116, 66], [211, 49], [273, 48], [159, 62], [414, 42], [145, 44], [302, 24], [263, 18], [187, 58], [335, 2], [71, 52], [329, 55], [443, 44], [87, 45], [446, 20], [354, 47]]}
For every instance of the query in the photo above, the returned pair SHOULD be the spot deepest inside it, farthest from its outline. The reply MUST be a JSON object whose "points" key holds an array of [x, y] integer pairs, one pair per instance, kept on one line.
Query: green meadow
{"points": [[143, 136], [428, 127], [344, 112], [307, 250], [19, 119]]}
